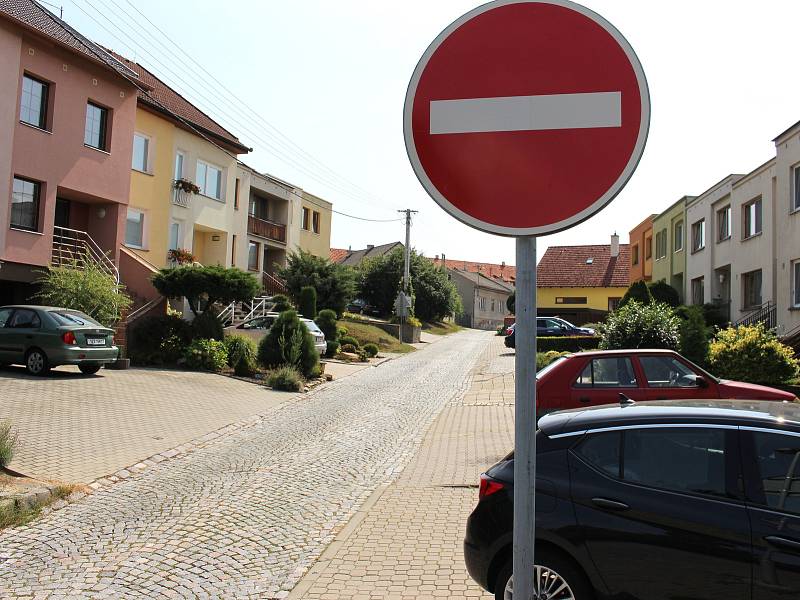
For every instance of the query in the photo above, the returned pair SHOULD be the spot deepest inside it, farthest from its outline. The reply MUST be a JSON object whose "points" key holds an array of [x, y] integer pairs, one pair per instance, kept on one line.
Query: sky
{"points": [[317, 89]]}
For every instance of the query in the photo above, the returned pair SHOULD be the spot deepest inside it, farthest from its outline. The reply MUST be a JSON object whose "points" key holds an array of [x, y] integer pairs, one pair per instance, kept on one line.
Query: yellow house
{"points": [[582, 283], [315, 225]]}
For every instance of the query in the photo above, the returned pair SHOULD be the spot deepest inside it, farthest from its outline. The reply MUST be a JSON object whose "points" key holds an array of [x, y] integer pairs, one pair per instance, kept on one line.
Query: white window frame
{"points": [[143, 215], [148, 149], [202, 183], [177, 241], [794, 200], [677, 240], [746, 277], [726, 211], [182, 155], [749, 210], [257, 246], [305, 223], [701, 223], [693, 285], [795, 283]]}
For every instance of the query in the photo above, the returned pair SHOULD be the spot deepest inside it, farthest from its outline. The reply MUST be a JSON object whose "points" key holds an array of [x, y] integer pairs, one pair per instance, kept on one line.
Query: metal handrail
{"points": [[226, 315], [767, 313], [77, 246], [272, 285], [259, 307]]}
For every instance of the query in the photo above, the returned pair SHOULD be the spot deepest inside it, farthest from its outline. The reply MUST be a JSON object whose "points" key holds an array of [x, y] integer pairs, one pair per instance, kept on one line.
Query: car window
{"points": [[24, 318], [544, 370], [4, 314], [778, 459], [258, 323], [683, 459], [667, 371], [64, 317], [312, 327], [602, 450], [608, 372]]}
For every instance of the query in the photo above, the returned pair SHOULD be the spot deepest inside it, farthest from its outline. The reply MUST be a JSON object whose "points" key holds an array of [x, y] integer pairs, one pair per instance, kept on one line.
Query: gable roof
{"points": [[566, 266], [482, 281], [37, 19], [166, 101], [353, 258], [338, 254], [502, 272]]}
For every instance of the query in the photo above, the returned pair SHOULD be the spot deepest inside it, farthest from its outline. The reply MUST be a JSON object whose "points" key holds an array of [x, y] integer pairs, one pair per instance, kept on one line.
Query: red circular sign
{"points": [[526, 117]]}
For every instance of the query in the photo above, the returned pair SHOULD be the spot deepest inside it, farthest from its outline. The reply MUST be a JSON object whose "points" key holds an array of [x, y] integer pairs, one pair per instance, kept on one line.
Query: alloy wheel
{"points": [[35, 362], [547, 585]]}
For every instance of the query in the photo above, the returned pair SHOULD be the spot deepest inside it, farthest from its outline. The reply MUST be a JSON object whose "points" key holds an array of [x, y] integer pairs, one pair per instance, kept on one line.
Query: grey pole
{"points": [[525, 420], [407, 261]]}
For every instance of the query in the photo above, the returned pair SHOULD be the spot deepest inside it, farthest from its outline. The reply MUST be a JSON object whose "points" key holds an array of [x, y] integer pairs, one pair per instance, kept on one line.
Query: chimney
{"points": [[614, 245], [370, 247]]}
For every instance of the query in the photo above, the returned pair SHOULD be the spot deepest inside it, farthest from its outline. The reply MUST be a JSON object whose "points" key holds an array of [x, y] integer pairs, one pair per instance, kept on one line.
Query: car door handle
{"points": [[585, 399], [774, 540], [610, 504]]}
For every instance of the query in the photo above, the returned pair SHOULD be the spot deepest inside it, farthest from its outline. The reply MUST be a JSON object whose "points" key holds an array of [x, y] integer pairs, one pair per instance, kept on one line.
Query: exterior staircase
{"points": [[72, 247], [767, 314], [237, 312], [273, 285]]}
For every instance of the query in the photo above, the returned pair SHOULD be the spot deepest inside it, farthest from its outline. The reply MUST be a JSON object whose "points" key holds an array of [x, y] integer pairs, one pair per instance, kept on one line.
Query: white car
{"points": [[257, 327]]}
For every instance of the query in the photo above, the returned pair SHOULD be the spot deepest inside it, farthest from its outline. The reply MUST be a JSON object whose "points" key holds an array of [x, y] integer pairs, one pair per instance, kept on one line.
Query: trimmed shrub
{"points": [[288, 343], [159, 340], [349, 348], [638, 325], [240, 348], [246, 367], [713, 315], [545, 358], [349, 340], [693, 334], [661, 291], [207, 326], [638, 292], [341, 332], [307, 303], [326, 321], [566, 343], [206, 355], [332, 349], [371, 350], [281, 303], [285, 378], [8, 443], [753, 354]]}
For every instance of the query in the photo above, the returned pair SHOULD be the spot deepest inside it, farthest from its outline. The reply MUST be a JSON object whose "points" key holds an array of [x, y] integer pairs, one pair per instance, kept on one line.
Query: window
{"points": [[571, 300], [174, 236], [648, 248], [724, 224], [751, 289], [698, 290], [602, 450], [179, 165], [613, 304], [96, 126], [252, 256], [699, 235], [796, 283], [795, 201], [315, 222], [134, 228], [677, 242], [209, 180], [752, 219], [635, 254], [25, 199], [492, 304], [4, 314], [141, 152], [778, 459], [306, 218], [481, 303], [236, 195], [607, 373], [25, 319], [233, 250], [666, 371], [661, 244], [33, 102]]}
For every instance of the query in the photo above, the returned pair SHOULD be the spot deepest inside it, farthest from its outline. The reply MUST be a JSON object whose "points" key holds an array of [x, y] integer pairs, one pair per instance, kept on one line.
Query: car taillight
{"points": [[69, 338], [489, 487]]}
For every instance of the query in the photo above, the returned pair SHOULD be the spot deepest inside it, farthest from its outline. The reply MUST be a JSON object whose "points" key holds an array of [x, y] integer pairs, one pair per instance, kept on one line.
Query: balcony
{"points": [[181, 197], [266, 229]]}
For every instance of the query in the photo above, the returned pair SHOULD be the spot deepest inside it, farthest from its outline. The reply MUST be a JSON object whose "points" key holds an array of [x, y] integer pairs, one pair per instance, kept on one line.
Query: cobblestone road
{"points": [[245, 516]]}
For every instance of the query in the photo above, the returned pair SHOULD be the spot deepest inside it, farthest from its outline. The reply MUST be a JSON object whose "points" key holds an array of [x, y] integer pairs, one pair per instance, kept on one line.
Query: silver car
{"points": [[257, 327]]}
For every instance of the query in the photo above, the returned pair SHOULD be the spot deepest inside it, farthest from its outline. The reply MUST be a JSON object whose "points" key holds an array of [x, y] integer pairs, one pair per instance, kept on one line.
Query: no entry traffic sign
{"points": [[526, 117]]}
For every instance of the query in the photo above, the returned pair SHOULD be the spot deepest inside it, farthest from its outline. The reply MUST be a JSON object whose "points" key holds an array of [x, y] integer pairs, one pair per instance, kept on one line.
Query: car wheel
{"points": [[555, 578], [36, 362], [89, 369]]}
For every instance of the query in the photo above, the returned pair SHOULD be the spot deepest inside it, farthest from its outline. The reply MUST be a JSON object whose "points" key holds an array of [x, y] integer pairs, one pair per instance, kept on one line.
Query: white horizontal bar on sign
{"points": [[527, 113]]}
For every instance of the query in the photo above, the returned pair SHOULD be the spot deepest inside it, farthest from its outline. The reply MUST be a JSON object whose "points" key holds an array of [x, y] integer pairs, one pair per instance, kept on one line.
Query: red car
{"points": [[591, 378]]}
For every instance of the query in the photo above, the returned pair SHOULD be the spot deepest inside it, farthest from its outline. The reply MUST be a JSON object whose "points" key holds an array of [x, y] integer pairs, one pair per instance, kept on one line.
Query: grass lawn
{"points": [[366, 334], [444, 328]]}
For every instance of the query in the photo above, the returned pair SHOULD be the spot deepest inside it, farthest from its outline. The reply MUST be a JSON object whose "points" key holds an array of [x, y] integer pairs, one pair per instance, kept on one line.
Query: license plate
{"points": [[96, 341]]}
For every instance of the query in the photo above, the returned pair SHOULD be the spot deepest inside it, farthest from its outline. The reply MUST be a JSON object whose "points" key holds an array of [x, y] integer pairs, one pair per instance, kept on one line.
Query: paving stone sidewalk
{"points": [[405, 543]]}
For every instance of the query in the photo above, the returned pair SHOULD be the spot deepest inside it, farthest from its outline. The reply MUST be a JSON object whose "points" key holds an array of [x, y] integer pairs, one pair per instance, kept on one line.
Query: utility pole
{"points": [[404, 298]]}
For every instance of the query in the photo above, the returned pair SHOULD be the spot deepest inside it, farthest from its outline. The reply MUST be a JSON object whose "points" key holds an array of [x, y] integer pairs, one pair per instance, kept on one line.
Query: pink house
{"points": [[67, 113]]}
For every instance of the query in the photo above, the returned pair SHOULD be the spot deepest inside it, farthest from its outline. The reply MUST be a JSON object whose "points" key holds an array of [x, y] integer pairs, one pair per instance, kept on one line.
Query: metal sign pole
{"points": [[525, 420]]}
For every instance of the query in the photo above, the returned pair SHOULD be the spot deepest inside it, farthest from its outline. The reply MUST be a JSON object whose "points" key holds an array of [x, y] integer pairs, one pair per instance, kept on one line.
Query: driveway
{"points": [[78, 428]]}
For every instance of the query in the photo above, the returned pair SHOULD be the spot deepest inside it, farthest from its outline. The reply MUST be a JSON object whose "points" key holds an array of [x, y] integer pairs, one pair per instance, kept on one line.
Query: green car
{"points": [[41, 337]]}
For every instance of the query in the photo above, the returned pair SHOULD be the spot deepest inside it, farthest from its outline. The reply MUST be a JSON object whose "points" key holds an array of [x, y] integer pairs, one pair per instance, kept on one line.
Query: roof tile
{"points": [[567, 266]]}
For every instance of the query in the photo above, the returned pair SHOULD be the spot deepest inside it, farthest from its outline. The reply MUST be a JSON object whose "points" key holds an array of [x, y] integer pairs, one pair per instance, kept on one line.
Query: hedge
{"points": [[566, 343]]}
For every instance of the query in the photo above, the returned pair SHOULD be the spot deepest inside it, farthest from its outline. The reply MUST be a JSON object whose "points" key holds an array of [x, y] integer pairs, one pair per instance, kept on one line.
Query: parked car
{"points": [[42, 337], [361, 307], [653, 501], [257, 327], [599, 377], [550, 327]]}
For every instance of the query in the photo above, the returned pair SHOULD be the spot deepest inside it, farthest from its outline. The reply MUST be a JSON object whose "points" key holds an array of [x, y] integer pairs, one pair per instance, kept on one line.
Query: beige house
{"points": [[483, 298], [315, 225], [787, 230]]}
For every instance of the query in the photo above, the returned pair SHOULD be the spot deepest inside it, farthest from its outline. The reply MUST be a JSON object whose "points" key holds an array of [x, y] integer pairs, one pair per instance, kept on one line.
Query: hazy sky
{"points": [[332, 77]]}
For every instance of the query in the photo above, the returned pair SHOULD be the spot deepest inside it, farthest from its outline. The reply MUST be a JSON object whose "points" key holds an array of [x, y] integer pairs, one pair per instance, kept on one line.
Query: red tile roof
{"points": [[41, 21], [568, 266], [504, 272], [338, 254], [164, 99]]}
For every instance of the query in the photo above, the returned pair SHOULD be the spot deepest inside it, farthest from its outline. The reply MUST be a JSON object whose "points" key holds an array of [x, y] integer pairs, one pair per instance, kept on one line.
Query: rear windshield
{"points": [[312, 326], [73, 317]]}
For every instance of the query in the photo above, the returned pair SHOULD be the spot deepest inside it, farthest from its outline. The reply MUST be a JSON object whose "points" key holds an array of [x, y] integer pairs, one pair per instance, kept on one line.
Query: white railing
{"points": [[75, 247], [181, 197], [259, 307], [227, 314]]}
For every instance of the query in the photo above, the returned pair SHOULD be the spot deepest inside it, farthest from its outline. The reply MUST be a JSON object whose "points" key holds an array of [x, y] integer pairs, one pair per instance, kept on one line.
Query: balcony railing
{"points": [[266, 229], [181, 197]]}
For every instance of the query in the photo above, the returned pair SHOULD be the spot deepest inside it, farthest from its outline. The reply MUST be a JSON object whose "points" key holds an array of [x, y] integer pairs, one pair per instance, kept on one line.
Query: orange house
{"points": [[641, 245]]}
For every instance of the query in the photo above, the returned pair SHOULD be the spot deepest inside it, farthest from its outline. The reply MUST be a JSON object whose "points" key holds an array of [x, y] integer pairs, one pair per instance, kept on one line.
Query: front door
{"points": [[602, 381], [772, 467], [660, 513], [667, 377], [62, 213]]}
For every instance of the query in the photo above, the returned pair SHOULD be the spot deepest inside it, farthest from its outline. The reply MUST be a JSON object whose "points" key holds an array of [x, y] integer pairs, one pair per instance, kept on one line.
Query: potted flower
{"points": [[181, 256], [187, 185]]}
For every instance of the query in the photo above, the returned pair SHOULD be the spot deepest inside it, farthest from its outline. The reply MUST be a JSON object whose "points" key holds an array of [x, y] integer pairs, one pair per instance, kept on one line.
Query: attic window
{"points": [[589, 261]]}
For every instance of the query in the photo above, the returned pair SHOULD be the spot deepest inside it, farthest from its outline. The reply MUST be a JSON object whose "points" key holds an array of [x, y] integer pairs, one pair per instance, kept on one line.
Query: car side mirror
{"points": [[701, 381]]}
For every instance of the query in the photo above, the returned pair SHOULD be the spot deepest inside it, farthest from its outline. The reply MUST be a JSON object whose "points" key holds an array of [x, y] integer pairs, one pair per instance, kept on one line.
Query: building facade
{"points": [[315, 219], [669, 246], [641, 248], [484, 299]]}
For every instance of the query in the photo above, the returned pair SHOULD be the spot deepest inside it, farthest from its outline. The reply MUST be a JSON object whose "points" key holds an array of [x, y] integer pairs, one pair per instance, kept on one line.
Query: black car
{"points": [[361, 307], [667, 500], [551, 327]]}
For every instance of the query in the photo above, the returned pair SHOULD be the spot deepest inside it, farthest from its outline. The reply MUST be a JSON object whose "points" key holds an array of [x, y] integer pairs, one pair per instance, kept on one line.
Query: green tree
{"points": [[661, 291], [379, 280], [693, 334], [334, 283], [288, 343], [638, 292], [511, 302], [326, 321], [308, 302], [638, 325], [752, 353], [82, 285], [435, 296], [211, 283], [281, 303]]}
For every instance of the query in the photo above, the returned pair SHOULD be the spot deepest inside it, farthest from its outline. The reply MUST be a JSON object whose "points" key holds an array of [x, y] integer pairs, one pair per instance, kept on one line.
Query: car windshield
{"points": [[545, 370], [73, 317], [312, 326]]}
